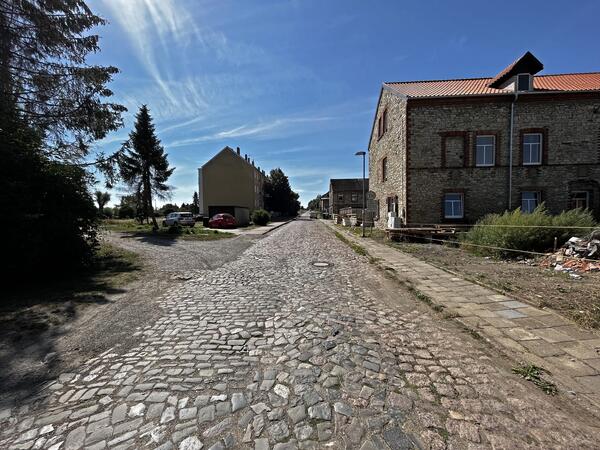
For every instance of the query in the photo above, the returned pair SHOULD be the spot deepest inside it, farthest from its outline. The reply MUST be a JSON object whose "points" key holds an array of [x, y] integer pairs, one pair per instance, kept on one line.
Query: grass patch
{"points": [[535, 374], [357, 248], [474, 334], [131, 226]]}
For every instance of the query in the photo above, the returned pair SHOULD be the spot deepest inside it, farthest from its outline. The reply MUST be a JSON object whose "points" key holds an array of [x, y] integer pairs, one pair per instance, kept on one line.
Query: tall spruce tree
{"points": [[144, 166]]}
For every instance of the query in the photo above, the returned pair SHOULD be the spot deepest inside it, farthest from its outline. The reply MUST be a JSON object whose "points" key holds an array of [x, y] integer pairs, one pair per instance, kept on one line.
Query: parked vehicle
{"points": [[179, 218], [222, 221]]}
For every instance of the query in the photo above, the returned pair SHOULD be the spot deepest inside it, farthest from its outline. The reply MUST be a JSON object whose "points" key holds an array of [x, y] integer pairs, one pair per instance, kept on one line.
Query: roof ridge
{"points": [[568, 73], [488, 78], [433, 81]]}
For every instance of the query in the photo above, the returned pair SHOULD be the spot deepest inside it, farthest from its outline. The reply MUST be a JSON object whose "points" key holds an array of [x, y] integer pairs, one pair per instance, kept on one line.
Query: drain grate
{"points": [[321, 264]]}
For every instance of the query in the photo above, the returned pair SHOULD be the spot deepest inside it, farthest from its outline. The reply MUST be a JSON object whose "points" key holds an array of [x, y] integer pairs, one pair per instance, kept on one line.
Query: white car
{"points": [[179, 218]]}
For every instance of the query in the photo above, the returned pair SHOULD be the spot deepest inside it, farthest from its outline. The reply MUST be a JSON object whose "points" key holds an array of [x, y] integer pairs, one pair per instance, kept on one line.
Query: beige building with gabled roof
{"points": [[230, 183]]}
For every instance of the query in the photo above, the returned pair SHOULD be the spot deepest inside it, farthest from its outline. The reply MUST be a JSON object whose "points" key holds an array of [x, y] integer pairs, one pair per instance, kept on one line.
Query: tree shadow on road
{"points": [[36, 311]]}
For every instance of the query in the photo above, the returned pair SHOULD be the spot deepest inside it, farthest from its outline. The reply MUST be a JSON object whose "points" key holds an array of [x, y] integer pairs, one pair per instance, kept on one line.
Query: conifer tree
{"points": [[144, 166]]}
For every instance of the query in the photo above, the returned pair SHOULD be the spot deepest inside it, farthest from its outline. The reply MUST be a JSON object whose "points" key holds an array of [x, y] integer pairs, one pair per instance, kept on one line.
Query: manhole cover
{"points": [[321, 264]]}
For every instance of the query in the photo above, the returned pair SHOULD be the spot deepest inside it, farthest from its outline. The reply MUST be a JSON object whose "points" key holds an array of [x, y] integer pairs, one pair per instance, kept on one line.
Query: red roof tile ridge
{"points": [[436, 81], [488, 78], [567, 73]]}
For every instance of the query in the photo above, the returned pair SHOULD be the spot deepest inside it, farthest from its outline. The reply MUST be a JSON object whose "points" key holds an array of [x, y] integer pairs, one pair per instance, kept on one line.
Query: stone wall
{"points": [[392, 145], [336, 203], [571, 161]]}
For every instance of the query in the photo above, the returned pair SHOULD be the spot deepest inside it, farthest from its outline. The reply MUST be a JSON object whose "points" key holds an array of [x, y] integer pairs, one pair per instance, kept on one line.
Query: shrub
{"points": [[175, 229], [53, 220], [260, 217], [525, 231]]}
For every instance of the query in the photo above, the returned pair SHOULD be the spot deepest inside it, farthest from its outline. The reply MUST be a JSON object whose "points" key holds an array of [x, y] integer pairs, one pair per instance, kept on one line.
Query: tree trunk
{"points": [[147, 198]]}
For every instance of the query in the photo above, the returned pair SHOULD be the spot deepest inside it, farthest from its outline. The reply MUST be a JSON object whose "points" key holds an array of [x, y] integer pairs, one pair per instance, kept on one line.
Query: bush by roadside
{"points": [[260, 217], [525, 231]]}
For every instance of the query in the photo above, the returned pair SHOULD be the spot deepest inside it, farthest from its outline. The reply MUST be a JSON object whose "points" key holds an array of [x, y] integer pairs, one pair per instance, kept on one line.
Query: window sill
{"points": [[531, 164], [485, 165]]}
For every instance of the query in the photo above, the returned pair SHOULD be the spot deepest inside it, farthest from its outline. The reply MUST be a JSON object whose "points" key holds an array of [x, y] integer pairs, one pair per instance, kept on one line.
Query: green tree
{"points": [[315, 203], [168, 208], [102, 198], [53, 104], [279, 196], [195, 204], [45, 76], [144, 166], [127, 208]]}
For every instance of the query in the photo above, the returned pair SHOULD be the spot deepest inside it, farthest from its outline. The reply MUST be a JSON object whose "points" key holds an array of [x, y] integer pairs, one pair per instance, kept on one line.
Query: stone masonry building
{"points": [[451, 151], [346, 193], [230, 183]]}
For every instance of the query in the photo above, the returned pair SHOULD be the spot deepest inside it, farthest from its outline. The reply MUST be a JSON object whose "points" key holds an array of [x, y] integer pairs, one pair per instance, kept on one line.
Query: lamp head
{"points": [[360, 153]]}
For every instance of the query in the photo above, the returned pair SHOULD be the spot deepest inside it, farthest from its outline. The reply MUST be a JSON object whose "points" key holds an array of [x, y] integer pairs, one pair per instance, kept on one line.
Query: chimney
{"points": [[252, 163], [245, 157], [238, 150]]}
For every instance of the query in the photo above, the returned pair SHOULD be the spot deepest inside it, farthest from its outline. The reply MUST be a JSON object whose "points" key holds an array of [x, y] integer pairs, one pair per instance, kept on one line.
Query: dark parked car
{"points": [[222, 221]]}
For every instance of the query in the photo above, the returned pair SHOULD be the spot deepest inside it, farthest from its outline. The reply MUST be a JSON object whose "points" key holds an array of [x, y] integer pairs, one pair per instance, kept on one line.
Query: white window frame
{"points": [[538, 198], [587, 198], [352, 196], [340, 197], [461, 201], [484, 147], [528, 145], [529, 86]]}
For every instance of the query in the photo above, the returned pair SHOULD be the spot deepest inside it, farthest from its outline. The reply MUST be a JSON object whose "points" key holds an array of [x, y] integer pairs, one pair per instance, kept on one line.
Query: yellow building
{"points": [[230, 183]]}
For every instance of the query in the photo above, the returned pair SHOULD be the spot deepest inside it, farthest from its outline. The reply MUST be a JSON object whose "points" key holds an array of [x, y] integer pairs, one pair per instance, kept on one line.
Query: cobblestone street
{"points": [[270, 351]]}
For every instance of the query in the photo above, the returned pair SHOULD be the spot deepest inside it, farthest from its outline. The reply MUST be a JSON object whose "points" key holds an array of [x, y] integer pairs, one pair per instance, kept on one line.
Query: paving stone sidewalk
{"points": [[271, 351], [530, 334]]}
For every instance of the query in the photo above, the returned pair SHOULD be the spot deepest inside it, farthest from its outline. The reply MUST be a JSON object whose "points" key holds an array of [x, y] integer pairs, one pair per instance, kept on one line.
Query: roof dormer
{"points": [[519, 75]]}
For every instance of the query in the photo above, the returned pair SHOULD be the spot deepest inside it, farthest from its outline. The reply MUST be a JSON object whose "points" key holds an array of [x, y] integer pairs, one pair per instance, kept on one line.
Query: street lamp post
{"points": [[361, 153]]}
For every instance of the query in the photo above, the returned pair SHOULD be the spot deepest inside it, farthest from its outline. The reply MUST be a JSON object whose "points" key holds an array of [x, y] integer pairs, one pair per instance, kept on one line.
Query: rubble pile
{"points": [[578, 255]]}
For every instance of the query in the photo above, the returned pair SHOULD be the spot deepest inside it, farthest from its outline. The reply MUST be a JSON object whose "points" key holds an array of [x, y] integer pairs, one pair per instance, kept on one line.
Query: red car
{"points": [[222, 221]]}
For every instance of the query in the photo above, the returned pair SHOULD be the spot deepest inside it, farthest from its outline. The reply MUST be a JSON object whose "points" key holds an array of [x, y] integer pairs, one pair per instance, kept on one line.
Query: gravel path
{"points": [[182, 255]]}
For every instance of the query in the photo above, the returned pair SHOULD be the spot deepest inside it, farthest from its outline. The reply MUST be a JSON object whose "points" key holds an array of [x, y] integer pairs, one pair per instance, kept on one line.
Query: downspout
{"points": [[510, 149]]}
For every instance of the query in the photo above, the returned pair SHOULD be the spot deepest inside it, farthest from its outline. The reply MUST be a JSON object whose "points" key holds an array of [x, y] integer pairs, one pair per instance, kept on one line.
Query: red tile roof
{"points": [[568, 82]]}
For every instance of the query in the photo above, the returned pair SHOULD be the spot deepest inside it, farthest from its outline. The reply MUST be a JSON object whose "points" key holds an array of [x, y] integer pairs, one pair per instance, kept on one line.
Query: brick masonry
{"points": [[430, 150]]}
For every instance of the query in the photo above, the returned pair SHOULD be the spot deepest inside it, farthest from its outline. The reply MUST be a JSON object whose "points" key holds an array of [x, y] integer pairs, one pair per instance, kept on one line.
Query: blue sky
{"points": [[294, 83]]}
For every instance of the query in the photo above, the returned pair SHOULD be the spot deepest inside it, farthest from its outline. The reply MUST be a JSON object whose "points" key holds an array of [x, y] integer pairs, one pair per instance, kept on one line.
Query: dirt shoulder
{"points": [[577, 299], [53, 327]]}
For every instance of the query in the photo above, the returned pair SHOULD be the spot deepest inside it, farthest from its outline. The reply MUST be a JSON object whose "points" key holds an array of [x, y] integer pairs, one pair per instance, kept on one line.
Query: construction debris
{"points": [[578, 255]]}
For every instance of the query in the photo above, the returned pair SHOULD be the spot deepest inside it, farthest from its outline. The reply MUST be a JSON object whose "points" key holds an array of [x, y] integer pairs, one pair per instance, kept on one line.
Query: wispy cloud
{"points": [[262, 129]]}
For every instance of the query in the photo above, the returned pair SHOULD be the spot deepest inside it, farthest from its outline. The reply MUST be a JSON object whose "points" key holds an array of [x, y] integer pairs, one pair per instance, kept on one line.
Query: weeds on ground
{"points": [[357, 248], [525, 231], [534, 374]]}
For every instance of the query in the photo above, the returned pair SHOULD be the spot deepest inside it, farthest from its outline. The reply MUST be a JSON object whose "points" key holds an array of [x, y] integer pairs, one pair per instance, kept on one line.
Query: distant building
{"points": [[346, 193], [230, 183], [447, 151], [324, 202]]}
